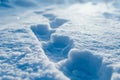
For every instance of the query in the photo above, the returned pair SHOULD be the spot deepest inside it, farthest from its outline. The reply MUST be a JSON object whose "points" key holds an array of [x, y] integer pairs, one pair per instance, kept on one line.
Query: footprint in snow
{"points": [[57, 22], [42, 31], [50, 17], [38, 12], [58, 47], [54, 21]]}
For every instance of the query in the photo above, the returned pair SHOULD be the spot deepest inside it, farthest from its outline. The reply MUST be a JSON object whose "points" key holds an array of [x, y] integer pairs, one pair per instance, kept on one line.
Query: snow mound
{"points": [[85, 58], [81, 65]]}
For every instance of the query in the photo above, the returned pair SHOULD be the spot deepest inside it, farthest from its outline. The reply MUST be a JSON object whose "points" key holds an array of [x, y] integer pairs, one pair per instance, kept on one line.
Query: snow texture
{"points": [[82, 65], [59, 40]]}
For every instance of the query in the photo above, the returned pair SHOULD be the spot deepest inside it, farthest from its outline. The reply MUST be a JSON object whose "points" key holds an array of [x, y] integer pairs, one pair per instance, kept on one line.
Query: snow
{"points": [[42, 31], [82, 65], [59, 40], [57, 22], [58, 47]]}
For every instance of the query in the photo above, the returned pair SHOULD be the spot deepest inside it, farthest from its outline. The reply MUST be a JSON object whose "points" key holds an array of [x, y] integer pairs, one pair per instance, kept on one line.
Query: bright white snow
{"points": [[59, 40]]}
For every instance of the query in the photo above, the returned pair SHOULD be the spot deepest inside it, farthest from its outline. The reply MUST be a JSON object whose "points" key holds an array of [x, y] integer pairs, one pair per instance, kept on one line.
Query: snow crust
{"points": [[59, 40]]}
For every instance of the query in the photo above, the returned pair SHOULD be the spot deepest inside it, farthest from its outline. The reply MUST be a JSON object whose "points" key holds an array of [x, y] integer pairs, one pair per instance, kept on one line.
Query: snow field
{"points": [[74, 63], [48, 52]]}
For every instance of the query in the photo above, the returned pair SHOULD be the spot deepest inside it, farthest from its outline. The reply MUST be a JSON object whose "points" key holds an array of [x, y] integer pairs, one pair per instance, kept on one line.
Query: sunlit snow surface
{"points": [[59, 40]]}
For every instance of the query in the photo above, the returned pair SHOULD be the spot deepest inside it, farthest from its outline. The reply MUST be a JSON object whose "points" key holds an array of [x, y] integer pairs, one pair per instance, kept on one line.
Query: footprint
{"points": [[57, 22], [42, 31], [49, 16], [43, 11], [81, 65], [38, 12], [58, 47], [49, 9]]}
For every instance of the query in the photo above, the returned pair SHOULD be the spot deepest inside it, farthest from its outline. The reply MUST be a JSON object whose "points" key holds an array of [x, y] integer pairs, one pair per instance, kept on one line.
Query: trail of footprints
{"points": [[56, 46], [59, 47]]}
